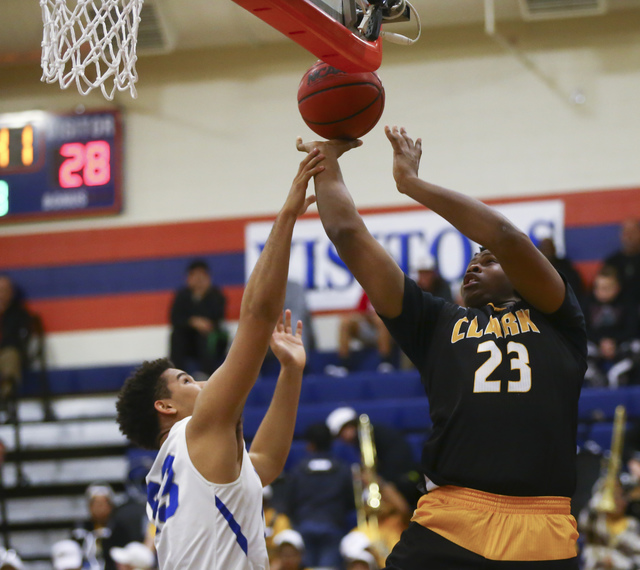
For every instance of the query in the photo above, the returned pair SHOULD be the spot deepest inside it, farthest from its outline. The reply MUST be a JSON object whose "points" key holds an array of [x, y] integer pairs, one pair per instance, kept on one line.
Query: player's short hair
{"points": [[480, 250], [137, 416]]}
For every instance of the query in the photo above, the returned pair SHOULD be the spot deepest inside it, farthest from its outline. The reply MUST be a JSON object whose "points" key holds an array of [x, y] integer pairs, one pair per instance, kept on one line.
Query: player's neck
{"points": [[162, 436], [504, 303], [165, 428]]}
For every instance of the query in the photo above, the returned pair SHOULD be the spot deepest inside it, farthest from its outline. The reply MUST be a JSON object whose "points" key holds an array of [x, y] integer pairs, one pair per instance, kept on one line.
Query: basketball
{"points": [[339, 105]]}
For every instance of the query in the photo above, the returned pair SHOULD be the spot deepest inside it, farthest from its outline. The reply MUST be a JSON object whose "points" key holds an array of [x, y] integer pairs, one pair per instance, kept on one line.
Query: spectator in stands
{"points": [[365, 326], [319, 498], [274, 521], [612, 539], [396, 464], [356, 551], [611, 326], [95, 531], [129, 522], [429, 279], [631, 459], [133, 556], [627, 259], [66, 555], [15, 324], [290, 549], [563, 266], [391, 519], [198, 337], [362, 560], [9, 560]]}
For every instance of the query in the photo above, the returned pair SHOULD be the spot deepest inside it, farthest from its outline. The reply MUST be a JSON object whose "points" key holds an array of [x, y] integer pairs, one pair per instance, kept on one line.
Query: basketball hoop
{"points": [[91, 42]]}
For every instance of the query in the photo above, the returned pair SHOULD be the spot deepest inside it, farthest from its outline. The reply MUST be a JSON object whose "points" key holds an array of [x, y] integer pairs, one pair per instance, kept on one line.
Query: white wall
{"points": [[212, 133]]}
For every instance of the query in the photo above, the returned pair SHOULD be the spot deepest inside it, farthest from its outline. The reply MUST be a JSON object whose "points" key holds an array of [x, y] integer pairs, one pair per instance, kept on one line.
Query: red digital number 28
{"points": [[85, 164]]}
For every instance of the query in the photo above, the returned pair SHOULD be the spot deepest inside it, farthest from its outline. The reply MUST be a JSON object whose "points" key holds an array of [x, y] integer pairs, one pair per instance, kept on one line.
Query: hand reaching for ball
{"points": [[286, 343], [406, 153], [334, 148]]}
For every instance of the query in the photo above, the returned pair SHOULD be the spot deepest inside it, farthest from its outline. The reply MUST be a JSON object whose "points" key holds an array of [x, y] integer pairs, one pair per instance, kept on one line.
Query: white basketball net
{"points": [[91, 42]]}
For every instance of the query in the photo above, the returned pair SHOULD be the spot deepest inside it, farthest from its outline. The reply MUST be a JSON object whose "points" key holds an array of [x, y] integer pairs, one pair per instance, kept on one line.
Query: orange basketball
{"points": [[339, 105]]}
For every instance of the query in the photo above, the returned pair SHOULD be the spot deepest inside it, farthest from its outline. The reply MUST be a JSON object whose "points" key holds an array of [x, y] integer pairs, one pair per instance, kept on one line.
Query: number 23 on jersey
{"points": [[519, 359]]}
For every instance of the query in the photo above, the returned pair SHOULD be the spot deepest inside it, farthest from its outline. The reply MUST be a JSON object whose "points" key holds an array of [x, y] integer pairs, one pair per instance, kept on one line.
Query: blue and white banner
{"points": [[410, 237]]}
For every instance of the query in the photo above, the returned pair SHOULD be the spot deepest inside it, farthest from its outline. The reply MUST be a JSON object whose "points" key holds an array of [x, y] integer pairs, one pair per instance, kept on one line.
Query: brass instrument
{"points": [[607, 502], [368, 508], [358, 492]]}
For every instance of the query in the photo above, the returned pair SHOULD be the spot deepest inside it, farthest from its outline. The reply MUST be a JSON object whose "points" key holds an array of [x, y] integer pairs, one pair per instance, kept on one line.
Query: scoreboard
{"points": [[60, 165]]}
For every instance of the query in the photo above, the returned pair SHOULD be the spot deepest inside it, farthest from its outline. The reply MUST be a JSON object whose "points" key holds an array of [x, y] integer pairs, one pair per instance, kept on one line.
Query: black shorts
{"points": [[422, 549]]}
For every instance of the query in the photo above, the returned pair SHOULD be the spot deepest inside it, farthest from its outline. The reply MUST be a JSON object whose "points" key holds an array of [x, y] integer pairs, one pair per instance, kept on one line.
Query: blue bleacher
{"points": [[251, 419], [298, 452], [380, 411], [414, 415], [416, 441], [348, 389], [632, 401], [402, 385], [396, 399], [600, 403], [601, 434], [309, 414], [260, 395], [99, 379]]}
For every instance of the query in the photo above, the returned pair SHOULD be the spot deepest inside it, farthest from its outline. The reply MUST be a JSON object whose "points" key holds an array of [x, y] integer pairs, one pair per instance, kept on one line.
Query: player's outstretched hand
{"points": [[287, 345], [406, 154], [334, 148], [297, 200]]}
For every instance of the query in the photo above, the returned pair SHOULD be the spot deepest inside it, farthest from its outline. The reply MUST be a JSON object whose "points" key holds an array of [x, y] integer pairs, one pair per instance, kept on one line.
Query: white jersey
{"points": [[203, 525]]}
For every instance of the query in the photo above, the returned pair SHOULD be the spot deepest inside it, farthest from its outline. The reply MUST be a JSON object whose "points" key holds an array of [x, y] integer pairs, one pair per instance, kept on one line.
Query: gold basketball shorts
{"points": [[500, 527]]}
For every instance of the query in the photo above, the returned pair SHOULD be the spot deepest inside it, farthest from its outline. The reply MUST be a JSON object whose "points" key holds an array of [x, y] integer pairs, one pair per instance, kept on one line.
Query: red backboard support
{"points": [[318, 33]]}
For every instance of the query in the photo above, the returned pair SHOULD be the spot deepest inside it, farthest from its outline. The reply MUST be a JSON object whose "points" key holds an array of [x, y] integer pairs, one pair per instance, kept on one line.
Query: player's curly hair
{"points": [[137, 417]]}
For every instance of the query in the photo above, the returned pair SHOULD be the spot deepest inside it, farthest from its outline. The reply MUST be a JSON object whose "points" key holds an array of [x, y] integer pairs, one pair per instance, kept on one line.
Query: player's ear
{"points": [[165, 407]]}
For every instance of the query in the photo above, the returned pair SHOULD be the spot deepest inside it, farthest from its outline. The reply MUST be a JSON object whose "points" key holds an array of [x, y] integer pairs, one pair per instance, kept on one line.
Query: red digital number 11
{"points": [[86, 164]]}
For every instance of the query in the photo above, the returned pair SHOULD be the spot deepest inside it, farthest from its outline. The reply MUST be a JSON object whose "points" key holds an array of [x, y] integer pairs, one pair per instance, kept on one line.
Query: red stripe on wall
{"points": [[121, 244], [588, 270], [234, 298], [119, 311], [591, 208], [83, 313], [602, 208], [223, 236], [581, 208], [152, 309]]}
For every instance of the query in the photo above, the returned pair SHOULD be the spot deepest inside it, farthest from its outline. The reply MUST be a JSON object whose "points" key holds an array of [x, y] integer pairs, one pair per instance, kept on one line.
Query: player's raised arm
{"points": [[271, 444], [371, 265], [219, 406], [530, 273]]}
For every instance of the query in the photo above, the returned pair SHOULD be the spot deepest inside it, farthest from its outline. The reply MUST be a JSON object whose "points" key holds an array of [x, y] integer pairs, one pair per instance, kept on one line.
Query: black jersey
{"points": [[503, 387]]}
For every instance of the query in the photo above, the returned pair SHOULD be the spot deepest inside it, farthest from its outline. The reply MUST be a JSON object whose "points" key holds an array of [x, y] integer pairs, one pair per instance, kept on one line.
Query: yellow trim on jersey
{"points": [[500, 527]]}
